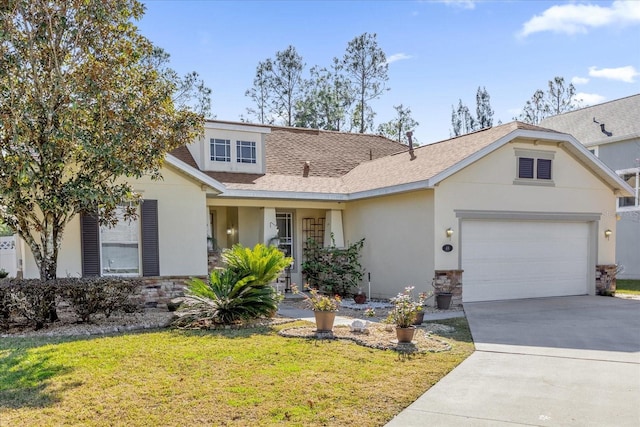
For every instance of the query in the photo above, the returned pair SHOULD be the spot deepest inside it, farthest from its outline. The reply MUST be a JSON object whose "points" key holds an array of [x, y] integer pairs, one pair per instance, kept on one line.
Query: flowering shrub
{"points": [[405, 308], [370, 312], [318, 302]]}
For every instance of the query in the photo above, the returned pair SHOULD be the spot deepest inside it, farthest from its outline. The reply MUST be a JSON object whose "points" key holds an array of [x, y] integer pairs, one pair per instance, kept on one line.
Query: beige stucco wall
{"points": [[398, 250], [69, 258], [182, 229], [488, 184]]}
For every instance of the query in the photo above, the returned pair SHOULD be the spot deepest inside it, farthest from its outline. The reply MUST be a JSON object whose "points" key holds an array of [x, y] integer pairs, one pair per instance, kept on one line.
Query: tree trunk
{"points": [[48, 268]]}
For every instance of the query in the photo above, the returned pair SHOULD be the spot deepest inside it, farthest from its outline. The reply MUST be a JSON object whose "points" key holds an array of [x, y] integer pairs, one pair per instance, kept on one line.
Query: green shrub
{"points": [[32, 299], [240, 292], [265, 263], [89, 296], [331, 269]]}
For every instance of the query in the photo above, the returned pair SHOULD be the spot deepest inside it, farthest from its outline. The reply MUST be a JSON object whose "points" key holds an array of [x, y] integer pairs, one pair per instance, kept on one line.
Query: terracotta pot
{"points": [[360, 298], [324, 320], [443, 301], [419, 318], [405, 335]]}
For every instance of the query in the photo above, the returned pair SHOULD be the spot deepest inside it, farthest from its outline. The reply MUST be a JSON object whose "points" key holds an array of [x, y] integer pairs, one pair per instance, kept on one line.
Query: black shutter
{"points": [[525, 167], [150, 252], [90, 245], [544, 169]]}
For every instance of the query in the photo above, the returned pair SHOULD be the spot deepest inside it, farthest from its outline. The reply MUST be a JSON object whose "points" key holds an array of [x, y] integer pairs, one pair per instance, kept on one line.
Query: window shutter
{"points": [[544, 169], [90, 245], [150, 244], [525, 167]]}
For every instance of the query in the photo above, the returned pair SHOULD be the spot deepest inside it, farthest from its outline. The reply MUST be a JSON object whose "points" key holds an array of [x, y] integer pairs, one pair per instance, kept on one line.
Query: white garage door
{"points": [[524, 259]]}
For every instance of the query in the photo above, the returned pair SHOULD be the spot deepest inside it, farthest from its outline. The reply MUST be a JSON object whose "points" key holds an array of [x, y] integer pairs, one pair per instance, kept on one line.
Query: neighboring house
{"points": [[611, 131], [515, 211]]}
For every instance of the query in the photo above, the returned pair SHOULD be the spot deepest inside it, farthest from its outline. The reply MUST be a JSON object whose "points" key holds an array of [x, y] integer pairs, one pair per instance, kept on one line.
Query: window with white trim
{"points": [[220, 150], [534, 167], [119, 246], [246, 151], [631, 177]]}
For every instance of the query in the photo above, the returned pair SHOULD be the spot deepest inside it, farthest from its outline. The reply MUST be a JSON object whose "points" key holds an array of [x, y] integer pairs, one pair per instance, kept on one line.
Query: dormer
{"points": [[231, 147]]}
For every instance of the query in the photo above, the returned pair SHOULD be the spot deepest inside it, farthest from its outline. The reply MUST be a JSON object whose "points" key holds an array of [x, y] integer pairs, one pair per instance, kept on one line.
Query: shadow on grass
{"points": [[461, 330], [24, 378]]}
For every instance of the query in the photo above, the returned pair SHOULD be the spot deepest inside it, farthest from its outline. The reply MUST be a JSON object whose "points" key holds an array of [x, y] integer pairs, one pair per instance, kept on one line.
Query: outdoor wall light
{"points": [[449, 232], [230, 231], [607, 233]]}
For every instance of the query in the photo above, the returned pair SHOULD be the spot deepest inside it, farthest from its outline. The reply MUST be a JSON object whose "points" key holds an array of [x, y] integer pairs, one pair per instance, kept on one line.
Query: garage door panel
{"points": [[523, 259]]}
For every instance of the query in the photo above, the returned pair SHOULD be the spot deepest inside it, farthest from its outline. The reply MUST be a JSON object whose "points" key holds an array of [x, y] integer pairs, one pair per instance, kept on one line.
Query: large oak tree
{"points": [[84, 100]]}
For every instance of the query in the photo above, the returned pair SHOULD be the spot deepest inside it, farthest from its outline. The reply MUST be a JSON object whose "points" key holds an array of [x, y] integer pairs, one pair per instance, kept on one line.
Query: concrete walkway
{"points": [[566, 361], [304, 314]]}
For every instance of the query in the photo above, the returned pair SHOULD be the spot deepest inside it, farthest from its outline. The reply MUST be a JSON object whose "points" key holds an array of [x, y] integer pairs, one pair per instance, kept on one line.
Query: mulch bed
{"points": [[376, 336]]}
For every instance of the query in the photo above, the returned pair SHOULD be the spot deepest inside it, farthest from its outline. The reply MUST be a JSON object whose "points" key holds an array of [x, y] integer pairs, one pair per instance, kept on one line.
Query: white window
{"points": [[284, 221], [534, 167], [220, 150], [631, 177], [119, 247], [246, 151]]}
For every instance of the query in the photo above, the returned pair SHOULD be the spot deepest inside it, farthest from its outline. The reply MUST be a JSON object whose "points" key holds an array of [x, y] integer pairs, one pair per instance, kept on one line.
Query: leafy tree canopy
{"points": [[84, 99], [398, 127], [556, 100]]}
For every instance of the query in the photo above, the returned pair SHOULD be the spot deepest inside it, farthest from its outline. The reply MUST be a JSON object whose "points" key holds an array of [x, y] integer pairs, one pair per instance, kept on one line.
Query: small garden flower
{"points": [[405, 308], [318, 302]]}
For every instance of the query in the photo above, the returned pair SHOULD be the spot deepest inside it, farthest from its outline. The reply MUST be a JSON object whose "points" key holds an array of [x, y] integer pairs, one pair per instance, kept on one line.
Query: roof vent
{"points": [[602, 129], [411, 153], [305, 170]]}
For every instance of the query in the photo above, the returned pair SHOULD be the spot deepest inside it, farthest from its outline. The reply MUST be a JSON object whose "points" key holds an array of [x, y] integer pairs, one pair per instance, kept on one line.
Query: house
{"points": [[514, 211], [611, 131]]}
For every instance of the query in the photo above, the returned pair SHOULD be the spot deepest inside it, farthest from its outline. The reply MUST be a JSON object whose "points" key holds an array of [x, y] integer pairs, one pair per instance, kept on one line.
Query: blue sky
{"points": [[439, 51]]}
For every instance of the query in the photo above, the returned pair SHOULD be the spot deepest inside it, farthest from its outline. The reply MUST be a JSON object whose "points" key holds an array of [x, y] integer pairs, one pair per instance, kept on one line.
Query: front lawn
{"points": [[628, 286], [245, 377]]}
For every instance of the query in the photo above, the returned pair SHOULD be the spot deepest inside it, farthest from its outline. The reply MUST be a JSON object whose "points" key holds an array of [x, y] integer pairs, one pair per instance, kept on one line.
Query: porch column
{"points": [[269, 225], [333, 224]]}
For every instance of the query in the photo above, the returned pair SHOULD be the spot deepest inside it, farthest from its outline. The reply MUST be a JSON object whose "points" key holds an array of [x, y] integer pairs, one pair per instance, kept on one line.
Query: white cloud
{"points": [[462, 4], [585, 99], [579, 80], [579, 18], [624, 74], [397, 57]]}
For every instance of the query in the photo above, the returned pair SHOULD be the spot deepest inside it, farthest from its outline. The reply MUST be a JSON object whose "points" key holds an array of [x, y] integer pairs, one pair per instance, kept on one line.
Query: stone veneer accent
{"points": [[158, 291], [446, 277], [605, 273]]}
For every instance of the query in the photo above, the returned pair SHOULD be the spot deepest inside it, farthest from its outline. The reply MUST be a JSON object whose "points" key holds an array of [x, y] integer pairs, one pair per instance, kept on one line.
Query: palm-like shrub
{"points": [[240, 292], [265, 263]]}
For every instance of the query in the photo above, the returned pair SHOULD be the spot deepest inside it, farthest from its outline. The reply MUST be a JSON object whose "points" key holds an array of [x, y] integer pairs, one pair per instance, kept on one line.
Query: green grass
{"points": [[628, 286], [245, 377]]}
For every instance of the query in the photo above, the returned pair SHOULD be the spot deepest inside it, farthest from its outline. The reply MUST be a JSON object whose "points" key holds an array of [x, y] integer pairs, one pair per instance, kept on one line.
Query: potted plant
{"points": [[324, 307], [360, 297], [444, 291], [403, 314]]}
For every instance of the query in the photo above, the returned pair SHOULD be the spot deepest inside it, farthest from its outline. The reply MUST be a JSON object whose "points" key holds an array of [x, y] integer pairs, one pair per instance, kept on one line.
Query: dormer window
{"points": [[220, 150], [246, 151], [534, 167]]}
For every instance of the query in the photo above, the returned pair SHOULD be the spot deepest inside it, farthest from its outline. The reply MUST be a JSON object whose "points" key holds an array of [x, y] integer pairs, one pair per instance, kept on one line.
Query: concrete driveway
{"points": [[565, 361]]}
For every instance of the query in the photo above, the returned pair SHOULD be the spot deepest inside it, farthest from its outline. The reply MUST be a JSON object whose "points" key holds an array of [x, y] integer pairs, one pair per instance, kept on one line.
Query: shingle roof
{"points": [[429, 161], [340, 162], [331, 154], [620, 117]]}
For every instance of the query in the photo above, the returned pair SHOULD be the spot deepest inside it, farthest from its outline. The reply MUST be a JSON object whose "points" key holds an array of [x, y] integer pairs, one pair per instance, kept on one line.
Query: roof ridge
{"points": [[312, 131], [592, 106]]}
